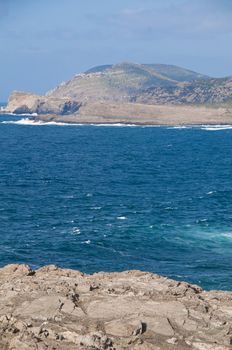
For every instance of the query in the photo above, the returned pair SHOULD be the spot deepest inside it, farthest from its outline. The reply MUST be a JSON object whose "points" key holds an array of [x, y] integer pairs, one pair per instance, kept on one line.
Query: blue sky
{"points": [[44, 42]]}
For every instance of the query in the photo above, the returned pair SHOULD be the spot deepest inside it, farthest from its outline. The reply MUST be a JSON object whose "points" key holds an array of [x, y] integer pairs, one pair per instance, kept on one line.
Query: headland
{"points": [[131, 93]]}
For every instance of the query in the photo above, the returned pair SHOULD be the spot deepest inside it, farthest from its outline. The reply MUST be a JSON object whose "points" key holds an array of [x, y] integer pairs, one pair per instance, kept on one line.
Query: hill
{"points": [[200, 92], [132, 93], [167, 71], [122, 82]]}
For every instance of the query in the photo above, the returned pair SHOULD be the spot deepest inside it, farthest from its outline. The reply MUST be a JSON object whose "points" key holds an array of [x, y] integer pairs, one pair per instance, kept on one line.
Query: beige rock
{"points": [[66, 110], [60, 309]]}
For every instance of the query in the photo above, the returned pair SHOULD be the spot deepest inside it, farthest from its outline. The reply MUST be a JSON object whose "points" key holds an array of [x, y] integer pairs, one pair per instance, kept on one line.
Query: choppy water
{"points": [[114, 198]]}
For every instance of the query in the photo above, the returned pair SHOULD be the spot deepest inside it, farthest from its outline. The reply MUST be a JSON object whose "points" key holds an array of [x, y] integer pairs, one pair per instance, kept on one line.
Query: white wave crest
{"points": [[28, 121], [86, 242], [216, 127], [207, 127], [76, 231], [180, 127], [2, 109], [116, 124], [122, 218]]}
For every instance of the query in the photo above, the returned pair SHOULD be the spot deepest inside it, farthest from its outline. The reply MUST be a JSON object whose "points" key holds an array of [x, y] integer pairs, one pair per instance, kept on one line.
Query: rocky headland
{"points": [[132, 93], [55, 309]]}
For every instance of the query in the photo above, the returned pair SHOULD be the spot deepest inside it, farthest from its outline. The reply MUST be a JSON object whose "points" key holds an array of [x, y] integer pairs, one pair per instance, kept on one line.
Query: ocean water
{"points": [[112, 198]]}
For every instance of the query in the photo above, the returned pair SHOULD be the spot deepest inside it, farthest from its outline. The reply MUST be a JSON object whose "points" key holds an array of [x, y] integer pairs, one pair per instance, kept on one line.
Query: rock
{"points": [[51, 308], [140, 329], [172, 341], [159, 325], [203, 346], [27, 103]]}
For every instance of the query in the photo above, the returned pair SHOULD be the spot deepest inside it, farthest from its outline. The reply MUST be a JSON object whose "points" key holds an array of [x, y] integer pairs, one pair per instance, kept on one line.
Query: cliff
{"points": [[27, 103], [66, 110], [51, 308]]}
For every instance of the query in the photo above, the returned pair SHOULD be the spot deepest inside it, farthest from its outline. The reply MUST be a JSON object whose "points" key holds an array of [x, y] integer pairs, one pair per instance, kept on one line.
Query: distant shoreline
{"points": [[172, 117], [98, 121], [123, 113]]}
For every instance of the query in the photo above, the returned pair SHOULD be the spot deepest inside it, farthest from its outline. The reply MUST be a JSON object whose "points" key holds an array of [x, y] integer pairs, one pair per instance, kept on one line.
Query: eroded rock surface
{"points": [[55, 309], [27, 103]]}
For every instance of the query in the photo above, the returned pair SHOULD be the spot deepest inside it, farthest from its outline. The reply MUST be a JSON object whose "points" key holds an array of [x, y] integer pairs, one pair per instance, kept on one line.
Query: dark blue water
{"points": [[115, 198]]}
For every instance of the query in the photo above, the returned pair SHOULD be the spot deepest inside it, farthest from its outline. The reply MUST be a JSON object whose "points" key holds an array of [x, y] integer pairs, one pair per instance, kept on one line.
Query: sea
{"points": [[120, 197]]}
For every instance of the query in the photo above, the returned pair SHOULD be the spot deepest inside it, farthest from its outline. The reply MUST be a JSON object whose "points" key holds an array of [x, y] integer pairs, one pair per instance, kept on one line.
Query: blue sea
{"points": [[113, 198]]}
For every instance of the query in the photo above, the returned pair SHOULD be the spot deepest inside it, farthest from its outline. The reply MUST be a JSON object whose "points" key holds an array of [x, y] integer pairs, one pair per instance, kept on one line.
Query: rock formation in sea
{"points": [[55, 309], [27, 103]]}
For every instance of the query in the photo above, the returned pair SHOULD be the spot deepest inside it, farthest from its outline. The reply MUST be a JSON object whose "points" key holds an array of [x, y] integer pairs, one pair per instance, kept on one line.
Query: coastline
{"points": [[124, 113], [66, 309], [137, 114]]}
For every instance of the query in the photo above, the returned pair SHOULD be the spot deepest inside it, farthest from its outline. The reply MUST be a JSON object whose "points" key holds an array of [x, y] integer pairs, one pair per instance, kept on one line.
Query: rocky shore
{"points": [[55, 309], [140, 114], [47, 109]]}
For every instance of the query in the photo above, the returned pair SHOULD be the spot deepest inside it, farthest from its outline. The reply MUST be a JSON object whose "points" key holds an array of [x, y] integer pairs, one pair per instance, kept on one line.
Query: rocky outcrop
{"points": [[26, 103], [201, 92], [57, 110], [51, 308], [142, 114]]}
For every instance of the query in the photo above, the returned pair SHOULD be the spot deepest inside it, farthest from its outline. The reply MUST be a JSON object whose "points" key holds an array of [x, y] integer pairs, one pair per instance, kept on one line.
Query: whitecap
{"points": [[180, 127], [171, 208], [121, 217], [216, 127], [28, 121], [227, 235], [87, 242], [18, 115], [199, 221], [76, 231], [116, 124]]}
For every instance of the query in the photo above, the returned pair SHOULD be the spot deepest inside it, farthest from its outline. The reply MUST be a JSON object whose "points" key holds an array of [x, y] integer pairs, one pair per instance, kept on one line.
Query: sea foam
{"points": [[28, 121]]}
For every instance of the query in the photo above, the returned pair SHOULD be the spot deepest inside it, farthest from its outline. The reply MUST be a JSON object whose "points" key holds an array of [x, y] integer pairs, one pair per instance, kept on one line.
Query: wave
{"points": [[27, 121], [207, 127], [87, 242], [219, 238], [18, 115], [181, 127], [117, 124], [76, 231], [216, 127], [126, 125]]}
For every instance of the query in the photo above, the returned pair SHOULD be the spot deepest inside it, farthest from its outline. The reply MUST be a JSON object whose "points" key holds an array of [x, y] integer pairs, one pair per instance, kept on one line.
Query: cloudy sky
{"points": [[44, 42]]}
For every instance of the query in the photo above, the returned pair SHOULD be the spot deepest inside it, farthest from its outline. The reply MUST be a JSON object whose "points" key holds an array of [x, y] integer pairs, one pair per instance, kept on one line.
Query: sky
{"points": [[44, 42]]}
